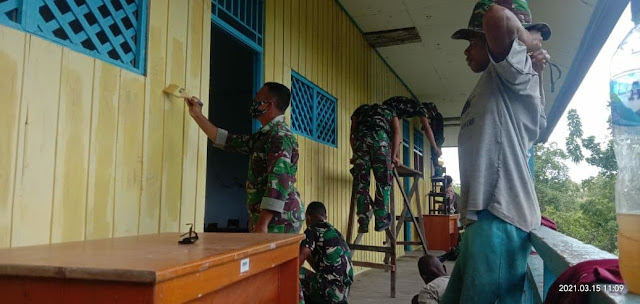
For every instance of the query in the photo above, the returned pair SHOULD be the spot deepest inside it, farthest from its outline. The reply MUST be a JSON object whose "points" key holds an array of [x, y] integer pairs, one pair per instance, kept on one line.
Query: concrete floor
{"points": [[373, 285]]}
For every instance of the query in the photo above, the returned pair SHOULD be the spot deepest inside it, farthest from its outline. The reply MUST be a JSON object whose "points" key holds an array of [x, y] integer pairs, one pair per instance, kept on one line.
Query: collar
{"points": [[273, 122]]}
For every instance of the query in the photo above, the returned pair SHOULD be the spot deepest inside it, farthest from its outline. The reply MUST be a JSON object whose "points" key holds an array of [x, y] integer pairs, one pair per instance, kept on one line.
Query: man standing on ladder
{"points": [[372, 126], [405, 107]]}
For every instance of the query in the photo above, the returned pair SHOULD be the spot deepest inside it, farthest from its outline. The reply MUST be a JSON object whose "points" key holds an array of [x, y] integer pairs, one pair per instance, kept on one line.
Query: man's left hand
{"points": [[539, 60]]}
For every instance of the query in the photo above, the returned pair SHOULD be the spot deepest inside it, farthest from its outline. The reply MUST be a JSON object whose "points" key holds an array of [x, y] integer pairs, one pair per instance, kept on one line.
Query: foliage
{"points": [[604, 159], [583, 211]]}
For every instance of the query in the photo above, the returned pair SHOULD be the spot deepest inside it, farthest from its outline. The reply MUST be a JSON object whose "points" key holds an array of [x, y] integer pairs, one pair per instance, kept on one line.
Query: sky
{"points": [[590, 101]]}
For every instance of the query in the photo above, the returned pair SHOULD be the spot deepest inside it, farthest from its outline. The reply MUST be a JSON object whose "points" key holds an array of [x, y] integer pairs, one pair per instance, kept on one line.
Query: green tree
{"points": [[604, 159], [583, 211], [554, 188]]}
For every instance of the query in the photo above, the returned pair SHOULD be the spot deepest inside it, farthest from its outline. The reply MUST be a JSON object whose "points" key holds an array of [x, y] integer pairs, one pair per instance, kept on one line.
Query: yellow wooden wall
{"points": [[89, 150], [319, 41]]}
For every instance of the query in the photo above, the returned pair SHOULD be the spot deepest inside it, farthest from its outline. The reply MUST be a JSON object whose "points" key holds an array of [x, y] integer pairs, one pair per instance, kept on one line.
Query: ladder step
{"points": [[406, 218], [374, 265], [404, 171], [408, 243], [371, 248]]}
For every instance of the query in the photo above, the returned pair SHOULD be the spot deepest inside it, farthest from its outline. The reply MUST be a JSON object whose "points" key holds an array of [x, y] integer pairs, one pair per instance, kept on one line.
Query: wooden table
{"points": [[219, 268]]}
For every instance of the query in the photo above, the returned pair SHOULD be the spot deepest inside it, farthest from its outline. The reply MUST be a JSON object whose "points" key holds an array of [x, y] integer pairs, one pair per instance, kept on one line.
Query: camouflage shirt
{"points": [[405, 107], [273, 163], [370, 119], [330, 255]]}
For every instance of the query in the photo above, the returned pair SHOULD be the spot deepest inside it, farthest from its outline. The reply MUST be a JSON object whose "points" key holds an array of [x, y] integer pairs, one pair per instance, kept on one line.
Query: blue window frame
{"points": [[406, 181], [244, 19], [313, 111], [114, 31], [418, 150]]}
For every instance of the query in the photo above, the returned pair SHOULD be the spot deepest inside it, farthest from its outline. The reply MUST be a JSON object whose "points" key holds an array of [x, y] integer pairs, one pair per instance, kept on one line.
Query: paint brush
{"points": [[178, 91]]}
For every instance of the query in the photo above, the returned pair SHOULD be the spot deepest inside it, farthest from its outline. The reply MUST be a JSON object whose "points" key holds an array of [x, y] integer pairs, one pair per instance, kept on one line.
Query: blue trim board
{"points": [[606, 14], [235, 33]]}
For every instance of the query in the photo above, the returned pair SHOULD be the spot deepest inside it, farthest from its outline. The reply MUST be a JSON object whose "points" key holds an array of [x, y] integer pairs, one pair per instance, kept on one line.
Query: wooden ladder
{"points": [[389, 246]]}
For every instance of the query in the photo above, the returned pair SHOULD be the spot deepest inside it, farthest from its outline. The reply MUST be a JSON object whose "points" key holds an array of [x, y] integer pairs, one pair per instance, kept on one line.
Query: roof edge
{"points": [[605, 16]]}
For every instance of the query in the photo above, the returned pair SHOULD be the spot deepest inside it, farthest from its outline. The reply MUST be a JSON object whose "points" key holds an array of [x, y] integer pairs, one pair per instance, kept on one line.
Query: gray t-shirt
{"points": [[500, 122]]}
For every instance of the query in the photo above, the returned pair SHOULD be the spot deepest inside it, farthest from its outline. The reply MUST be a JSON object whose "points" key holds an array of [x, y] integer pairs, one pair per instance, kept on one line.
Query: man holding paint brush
{"points": [[273, 202]]}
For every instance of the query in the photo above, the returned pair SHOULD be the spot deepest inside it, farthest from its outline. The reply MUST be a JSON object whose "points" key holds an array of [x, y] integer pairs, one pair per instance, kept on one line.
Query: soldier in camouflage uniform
{"points": [[272, 199], [405, 107], [371, 130], [328, 254]]}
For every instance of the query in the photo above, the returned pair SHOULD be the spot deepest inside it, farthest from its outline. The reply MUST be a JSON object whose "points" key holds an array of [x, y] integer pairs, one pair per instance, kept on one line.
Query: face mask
{"points": [[254, 110]]}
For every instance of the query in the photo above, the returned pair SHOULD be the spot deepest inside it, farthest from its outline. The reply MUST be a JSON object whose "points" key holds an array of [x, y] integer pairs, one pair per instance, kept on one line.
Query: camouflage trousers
{"points": [[368, 154], [316, 288]]}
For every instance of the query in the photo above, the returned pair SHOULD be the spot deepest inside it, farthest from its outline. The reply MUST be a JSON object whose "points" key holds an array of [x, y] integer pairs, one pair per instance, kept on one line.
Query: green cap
{"points": [[520, 8]]}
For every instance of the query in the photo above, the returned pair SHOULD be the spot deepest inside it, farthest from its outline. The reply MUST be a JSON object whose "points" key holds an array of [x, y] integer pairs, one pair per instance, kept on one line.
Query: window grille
{"points": [[110, 30], [243, 18], [313, 111]]}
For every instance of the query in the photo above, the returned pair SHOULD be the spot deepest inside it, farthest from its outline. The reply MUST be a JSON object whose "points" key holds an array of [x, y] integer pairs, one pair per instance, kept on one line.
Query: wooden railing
{"points": [[555, 253]]}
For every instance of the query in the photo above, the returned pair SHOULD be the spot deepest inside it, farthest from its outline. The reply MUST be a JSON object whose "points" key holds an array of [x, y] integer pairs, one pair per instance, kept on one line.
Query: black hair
{"points": [[449, 179], [281, 93], [316, 208]]}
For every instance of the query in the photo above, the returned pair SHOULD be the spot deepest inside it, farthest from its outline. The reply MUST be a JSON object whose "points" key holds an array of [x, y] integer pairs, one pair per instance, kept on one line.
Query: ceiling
{"points": [[435, 70]]}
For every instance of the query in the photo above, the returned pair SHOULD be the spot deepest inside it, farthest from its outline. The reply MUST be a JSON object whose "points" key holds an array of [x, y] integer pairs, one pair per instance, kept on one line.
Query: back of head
{"points": [[449, 179], [281, 93], [317, 209], [430, 268]]}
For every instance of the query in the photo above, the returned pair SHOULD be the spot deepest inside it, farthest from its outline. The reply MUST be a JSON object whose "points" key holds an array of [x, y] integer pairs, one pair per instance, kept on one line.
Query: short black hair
{"points": [[316, 208], [449, 179], [281, 93]]}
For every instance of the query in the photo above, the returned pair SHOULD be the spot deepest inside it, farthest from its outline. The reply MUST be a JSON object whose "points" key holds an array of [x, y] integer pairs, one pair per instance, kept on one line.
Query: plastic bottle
{"points": [[625, 118]]}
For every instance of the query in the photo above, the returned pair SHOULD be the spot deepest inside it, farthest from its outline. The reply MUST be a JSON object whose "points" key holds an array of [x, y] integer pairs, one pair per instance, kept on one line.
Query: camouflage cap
{"points": [[520, 8]]}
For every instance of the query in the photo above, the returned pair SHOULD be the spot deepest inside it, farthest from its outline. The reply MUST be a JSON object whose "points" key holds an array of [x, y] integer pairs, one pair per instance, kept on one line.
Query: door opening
{"points": [[234, 72]]}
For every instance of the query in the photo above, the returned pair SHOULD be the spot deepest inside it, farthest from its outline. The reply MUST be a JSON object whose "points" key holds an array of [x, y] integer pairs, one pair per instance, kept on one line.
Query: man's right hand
{"points": [[195, 106], [534, 43], [438, 151]]}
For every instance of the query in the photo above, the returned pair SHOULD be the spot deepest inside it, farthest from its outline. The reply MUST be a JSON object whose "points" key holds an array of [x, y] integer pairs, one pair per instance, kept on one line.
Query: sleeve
{"points": [[280, 172], [233, 143], [309, 240], [516, 69], [427, 296]]}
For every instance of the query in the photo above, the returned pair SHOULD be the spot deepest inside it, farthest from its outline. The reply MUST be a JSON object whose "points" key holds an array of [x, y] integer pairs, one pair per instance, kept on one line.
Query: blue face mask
{"points": [[254, 110]]}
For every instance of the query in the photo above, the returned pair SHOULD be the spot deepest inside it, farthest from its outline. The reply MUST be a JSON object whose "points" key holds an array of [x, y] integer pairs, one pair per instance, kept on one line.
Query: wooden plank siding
{"points": [[316, 39], [90, 150]]}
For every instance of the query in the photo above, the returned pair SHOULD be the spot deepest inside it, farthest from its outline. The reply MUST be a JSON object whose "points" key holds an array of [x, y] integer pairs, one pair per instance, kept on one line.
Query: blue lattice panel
{"points": [[103, 28], [10, 12], [302, 107], [326, 119], [243, 18]]}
